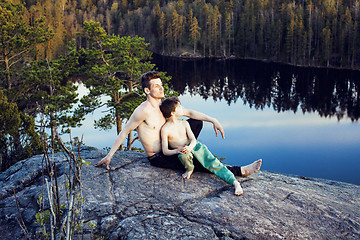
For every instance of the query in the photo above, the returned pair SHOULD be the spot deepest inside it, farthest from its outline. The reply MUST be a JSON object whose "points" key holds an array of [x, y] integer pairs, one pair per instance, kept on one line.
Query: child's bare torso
{"points": [[177, 136]]}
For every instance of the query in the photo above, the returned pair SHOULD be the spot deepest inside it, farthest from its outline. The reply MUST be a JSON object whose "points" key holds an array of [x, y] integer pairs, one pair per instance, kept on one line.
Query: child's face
{"points": [[179, 110]]}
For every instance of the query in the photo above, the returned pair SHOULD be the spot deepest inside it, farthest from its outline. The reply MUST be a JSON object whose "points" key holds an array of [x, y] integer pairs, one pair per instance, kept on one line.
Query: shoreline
{"points": [[185, 56]]}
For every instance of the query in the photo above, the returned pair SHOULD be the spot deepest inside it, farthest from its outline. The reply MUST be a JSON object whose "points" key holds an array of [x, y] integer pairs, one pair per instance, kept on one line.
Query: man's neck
{"points": [[154, 102]]}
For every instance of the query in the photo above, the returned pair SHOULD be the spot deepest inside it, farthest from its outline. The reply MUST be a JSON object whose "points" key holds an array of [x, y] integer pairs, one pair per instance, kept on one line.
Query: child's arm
{"points": [[165, 143], [191, 137]]}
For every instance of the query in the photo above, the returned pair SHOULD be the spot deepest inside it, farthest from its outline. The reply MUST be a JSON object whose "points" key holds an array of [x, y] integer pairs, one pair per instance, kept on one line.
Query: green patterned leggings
{"points": [[205, 157]]}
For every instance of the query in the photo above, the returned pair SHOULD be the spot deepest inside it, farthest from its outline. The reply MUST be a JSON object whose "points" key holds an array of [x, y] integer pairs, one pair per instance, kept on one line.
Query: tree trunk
{"points": [[129, 137], [7, 70], [53, 131], [118, 120], [129, 142]]}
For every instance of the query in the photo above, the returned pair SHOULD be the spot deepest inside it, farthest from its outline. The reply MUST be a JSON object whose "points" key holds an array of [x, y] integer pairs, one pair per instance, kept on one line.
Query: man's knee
{"points": [[196, 126]]}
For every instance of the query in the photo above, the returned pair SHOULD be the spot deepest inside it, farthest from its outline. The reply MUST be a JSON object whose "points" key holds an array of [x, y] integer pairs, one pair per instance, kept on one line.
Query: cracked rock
{"points": [[137, 201]]}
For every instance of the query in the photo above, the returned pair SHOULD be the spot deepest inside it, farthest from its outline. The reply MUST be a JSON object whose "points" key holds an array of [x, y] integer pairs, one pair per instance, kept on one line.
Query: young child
{"points": [[177, 138]]}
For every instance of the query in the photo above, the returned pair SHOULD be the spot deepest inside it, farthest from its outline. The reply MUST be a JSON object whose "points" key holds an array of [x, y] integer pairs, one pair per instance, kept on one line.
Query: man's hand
{"points": [[203, 117], [106, 160], [218, 127]]}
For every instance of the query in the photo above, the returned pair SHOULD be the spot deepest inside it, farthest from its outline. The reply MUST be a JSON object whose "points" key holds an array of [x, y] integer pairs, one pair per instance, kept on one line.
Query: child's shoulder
{"points": [[184, 122], [166, 126]]}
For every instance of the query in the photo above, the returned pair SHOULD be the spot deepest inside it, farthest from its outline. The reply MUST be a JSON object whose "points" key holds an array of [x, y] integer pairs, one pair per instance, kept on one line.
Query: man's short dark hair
{"points": [[168, 106], [146, 77]]}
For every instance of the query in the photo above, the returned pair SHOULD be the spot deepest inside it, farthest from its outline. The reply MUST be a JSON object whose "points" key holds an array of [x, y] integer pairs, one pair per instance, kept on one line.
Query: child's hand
{"points": [[179, 150], [186, 149]]}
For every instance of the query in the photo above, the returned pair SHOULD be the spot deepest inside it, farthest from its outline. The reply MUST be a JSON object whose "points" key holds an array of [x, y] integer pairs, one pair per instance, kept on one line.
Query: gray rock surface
{"points": [[137, 201]]}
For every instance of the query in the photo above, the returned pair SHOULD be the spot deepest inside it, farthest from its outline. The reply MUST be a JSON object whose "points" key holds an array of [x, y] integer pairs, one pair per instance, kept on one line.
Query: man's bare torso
{"points": [[149, 130]]}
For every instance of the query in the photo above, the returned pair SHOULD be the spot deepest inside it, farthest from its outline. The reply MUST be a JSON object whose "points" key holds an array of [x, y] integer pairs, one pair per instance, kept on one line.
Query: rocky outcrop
{"points": [[137, 201]]}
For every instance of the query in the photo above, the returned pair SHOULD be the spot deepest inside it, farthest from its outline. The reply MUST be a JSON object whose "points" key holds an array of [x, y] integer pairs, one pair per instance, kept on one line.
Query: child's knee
{"points": [[187, 157]]}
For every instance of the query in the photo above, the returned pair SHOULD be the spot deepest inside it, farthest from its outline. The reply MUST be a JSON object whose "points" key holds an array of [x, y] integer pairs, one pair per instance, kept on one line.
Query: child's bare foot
{"points": [[251, 168], [238, 188], [187, 174]]}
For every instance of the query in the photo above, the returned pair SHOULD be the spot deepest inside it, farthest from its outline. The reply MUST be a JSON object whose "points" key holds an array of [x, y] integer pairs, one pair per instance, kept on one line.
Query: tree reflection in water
{"points": [[330, 92]]}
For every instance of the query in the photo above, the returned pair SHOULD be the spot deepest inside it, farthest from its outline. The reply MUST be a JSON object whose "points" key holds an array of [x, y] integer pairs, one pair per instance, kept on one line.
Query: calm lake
{"points": [[301, 121]]}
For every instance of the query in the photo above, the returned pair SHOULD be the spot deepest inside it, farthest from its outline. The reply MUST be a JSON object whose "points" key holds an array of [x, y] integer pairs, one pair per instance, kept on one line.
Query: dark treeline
{"points": [[308, 32], [329, 92]]}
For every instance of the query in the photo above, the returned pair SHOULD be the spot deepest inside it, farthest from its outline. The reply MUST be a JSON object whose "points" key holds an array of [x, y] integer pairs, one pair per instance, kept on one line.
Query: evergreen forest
{"points": [[299, 32], [46, 46]]}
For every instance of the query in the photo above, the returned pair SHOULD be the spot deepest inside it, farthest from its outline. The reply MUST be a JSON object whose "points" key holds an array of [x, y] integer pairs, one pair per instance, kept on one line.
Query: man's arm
{"points": [[203, 117], [134, 121]]}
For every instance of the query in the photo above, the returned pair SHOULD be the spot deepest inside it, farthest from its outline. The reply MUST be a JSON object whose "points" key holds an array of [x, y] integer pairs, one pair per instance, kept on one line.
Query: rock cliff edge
{"points": [[137, 201]]}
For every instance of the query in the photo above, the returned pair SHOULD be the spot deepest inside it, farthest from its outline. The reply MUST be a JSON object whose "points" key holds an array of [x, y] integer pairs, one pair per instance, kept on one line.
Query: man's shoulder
{"points": [[144, 107], [141, 112]]}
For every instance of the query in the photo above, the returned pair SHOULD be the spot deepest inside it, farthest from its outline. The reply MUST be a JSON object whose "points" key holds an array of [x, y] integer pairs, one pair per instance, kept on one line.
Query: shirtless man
{"points": [[147, 119]]}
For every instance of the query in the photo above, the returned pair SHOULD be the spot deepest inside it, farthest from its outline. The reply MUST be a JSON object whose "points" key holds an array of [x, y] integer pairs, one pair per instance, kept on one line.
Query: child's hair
{"points": [[168, 106], [146, 77]]}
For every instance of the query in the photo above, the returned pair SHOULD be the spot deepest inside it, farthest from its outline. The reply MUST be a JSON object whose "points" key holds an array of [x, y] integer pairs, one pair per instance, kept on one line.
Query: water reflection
{"points": [[330, 92]]}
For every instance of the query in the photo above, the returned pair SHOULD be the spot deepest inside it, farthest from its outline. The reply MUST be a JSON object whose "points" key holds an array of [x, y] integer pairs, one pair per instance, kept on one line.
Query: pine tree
{"points": [[114, 65], [194, 31], [18, 38], [18, 138], [326, 41], [228, 31], [162, 30]]}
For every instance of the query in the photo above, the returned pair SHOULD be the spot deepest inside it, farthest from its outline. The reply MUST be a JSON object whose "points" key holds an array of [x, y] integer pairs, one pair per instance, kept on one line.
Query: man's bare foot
{"points": [[106, 160], [187, 174], [251, 168], [238, 188]]}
